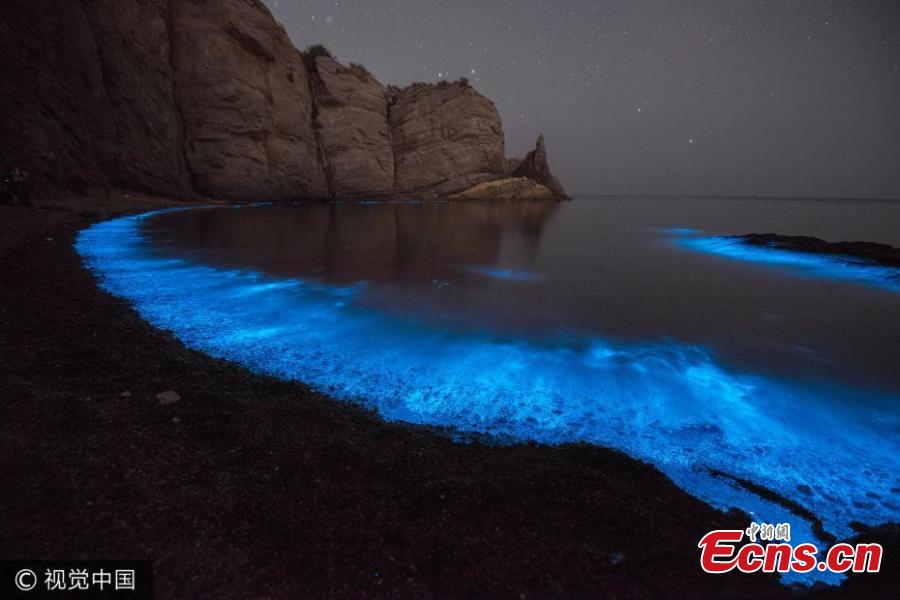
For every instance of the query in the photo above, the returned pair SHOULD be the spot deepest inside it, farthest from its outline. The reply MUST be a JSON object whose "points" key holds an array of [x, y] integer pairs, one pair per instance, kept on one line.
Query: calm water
{"points": [[590, 320], [599, 265]]}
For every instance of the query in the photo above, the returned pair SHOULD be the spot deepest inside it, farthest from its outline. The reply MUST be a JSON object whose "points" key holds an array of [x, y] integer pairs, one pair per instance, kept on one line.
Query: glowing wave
{"points": [[828, 448], [824, 266], [506, 274]]}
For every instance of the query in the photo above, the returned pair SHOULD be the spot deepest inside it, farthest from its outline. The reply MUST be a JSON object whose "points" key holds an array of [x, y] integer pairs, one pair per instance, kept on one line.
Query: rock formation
{"points": [[245, 102], [511, 165], [536, 167], [508, 188], [137, 83], [86, 95], [209, 97], [447, 137], [352, 125], [871, 252]]}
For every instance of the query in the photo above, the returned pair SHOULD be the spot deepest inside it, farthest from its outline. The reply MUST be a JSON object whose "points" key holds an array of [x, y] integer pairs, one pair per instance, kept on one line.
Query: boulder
{"points": [[536, 167], [510, 188], [244, 97], [351, 122], [447, 137], [168, 397]]}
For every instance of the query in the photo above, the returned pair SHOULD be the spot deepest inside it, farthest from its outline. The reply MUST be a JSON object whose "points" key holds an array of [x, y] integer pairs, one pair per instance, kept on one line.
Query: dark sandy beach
{"points": [[253, 487]]}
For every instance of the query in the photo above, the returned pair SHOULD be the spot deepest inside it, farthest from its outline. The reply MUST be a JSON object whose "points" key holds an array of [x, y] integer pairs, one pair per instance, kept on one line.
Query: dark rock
{"points": [[54, 103], [877, 253], [511, 165], [168, 397], [536, 167], [134, 51]]}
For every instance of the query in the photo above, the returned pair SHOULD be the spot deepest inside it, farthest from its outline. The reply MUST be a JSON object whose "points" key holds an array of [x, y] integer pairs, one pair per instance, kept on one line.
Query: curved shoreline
{"points": [[268, 474], [669, 403]]}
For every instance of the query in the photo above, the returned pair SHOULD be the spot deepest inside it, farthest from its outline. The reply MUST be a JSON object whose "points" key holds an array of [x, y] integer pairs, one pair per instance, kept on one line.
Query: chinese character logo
{"points": [[125, 579]]}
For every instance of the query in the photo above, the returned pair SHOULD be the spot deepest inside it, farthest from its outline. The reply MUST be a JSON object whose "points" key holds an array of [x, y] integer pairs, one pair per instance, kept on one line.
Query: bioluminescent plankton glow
{"points": [[507, 274], [827, 447], [823, 266]]}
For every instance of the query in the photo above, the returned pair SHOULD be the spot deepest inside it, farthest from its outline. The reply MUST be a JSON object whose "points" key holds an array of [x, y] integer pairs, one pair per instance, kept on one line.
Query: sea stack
{"points": [[537, 168]]}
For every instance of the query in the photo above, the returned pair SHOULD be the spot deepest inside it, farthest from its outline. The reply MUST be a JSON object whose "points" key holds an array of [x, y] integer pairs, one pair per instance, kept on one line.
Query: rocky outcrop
{"points": [[58, 119], [880, 254], [447, 137], [136, 69], [509, 188], [510, 166], [209, 97], [165, 96], [535, 166], [245, 102], [352, 123]]}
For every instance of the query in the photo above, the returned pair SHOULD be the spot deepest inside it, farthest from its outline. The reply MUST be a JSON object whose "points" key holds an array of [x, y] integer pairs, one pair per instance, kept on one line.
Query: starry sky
{"points": [[703, 97]]}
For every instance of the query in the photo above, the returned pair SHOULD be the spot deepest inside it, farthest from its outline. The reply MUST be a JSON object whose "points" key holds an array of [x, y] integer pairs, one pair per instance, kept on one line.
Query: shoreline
{"points": [[869, 252], [253, 486]]}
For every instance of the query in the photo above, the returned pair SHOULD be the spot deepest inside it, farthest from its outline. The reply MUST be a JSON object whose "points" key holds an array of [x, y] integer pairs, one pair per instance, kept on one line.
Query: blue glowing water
{"points": [[824, 266], [830, 447], [507, 274]]}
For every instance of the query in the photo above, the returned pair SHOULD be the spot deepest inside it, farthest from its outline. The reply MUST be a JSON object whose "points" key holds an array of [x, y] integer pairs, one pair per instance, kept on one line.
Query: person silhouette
{"points": [[6, 187], [19, 185]]}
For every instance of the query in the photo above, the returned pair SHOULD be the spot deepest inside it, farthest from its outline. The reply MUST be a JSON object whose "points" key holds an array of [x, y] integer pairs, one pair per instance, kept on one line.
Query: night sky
{"points": [[776, 98]]}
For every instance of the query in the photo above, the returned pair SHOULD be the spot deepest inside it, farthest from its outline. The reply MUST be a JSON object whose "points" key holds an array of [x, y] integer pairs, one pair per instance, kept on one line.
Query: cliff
{"points": [[447, 137], [87, 95], [245, 102], [352, 124], [210, 98]]}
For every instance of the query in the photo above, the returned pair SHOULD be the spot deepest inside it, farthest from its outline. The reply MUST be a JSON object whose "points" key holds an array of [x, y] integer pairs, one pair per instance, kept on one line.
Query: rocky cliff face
{"points": [[352, 123], [447, 137], [137, 85], [69, 114], [209, 97], [245, 102]]}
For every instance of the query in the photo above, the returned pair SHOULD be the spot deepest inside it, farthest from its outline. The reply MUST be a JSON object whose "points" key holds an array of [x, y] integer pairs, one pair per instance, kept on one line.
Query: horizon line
{"points": [[743, 197]]}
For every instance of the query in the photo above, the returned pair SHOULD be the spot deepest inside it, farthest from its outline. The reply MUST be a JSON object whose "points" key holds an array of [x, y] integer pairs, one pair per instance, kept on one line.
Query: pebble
{"points": [[168, 397]]}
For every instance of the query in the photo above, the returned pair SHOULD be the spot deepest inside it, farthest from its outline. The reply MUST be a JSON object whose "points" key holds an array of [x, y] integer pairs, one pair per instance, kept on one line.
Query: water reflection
{"points": [[603, 267], [376, 242]]}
